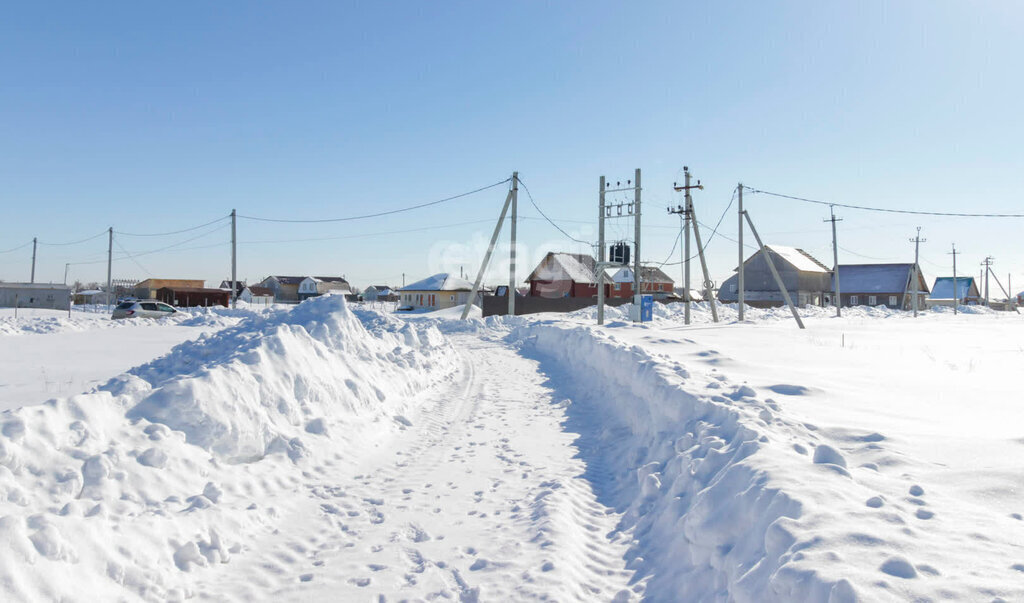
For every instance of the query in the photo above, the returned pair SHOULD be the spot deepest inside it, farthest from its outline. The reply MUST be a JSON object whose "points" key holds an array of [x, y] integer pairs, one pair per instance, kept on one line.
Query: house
{"points": [[189, 297], [260, 296], [285, 288], [806, 279], [942, 294], [89, 296], [241, 290], [653, 281], [889, 285], [379, 293], [312, 286], [436, 292], [35, 295], [147, 289], [564, 275]]}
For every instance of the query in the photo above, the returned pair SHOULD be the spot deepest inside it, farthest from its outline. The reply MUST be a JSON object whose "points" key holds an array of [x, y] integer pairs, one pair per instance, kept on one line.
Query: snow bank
{"points": [[122, 492], [684, 456], [87, 318]]}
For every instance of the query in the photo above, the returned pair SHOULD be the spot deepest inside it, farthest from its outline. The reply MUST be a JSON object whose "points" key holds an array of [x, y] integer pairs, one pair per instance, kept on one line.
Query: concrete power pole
{"points": [[956, 292], [599, 276], [637, 291], [708, 287], [234, 260], [110, 264], [987, 264], [487, 256], [33, 277], [739, 282], [917, 240], [835, 261], [689, 218], [512, 249]]}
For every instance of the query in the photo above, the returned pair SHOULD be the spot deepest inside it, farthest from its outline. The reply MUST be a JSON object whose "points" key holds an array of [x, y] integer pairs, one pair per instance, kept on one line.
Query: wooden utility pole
{"points": [[917, 240], [739, 269], [835, 262]]}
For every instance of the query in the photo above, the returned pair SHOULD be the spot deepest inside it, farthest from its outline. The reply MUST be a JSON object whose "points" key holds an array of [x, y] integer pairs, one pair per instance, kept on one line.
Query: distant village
{"points": [[561, 282]]}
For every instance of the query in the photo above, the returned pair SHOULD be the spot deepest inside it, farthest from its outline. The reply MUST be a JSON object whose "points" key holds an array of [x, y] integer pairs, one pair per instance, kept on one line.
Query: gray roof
{"points": [[289, 280], [331, 279], [440, 282], [41, 286], [874, 278]]}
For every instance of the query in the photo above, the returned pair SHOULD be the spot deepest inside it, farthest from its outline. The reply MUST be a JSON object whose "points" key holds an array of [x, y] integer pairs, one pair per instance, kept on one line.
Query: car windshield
{"points": [[125, 305]]}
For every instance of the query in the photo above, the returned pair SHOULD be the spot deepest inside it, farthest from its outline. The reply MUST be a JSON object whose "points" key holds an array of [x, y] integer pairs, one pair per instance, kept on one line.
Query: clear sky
{"points": [[156, 117]]}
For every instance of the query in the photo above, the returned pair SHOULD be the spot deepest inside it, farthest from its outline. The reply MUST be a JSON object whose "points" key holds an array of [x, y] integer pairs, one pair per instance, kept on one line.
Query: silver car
{"points": [[146, 308]]}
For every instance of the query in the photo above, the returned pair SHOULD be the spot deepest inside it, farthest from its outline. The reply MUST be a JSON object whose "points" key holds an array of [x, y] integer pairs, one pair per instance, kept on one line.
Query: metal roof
{"points": [[943, 287], [440, 282], [874, 278]]}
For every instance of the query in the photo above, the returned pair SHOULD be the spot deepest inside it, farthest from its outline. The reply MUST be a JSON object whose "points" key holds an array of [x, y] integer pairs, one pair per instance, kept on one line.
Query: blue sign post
{"points": [[646, 308]]}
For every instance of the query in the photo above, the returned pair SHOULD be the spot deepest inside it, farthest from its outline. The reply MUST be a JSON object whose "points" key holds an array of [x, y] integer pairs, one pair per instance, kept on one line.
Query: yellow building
{"points": [[147, 289], [435, 293]]}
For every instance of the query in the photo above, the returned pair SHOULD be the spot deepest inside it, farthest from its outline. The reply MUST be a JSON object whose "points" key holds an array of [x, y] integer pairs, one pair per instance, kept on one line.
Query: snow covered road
{"points": [[481, 495]]}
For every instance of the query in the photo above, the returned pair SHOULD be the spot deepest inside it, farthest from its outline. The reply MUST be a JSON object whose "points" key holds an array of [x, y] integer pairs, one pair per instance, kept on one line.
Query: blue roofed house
{"points": [[966, 291], [889, 285]]}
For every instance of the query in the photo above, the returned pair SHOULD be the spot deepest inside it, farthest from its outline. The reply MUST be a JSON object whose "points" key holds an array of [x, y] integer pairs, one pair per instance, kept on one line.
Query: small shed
{"points": [[379, 293], [190, 297], [35, 295]]}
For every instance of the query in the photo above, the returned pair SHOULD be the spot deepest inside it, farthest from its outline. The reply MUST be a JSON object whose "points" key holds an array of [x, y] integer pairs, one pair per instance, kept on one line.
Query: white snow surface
{"points": [[797, 258], [328, 452]]}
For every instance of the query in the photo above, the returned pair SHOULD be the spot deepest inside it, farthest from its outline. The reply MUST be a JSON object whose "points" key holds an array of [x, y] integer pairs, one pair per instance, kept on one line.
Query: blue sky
{"points": [[158, 117]]}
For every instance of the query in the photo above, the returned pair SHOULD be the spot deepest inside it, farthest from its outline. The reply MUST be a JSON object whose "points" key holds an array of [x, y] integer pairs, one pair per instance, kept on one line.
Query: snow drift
{"points": [[121, 491]]}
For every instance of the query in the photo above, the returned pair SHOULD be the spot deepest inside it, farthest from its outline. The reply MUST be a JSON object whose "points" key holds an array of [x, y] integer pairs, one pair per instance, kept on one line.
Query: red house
{"points": [[564, 275]]}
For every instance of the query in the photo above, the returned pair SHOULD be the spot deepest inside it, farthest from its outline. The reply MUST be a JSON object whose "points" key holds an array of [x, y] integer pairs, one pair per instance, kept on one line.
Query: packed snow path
{"points": [[481, 496]]}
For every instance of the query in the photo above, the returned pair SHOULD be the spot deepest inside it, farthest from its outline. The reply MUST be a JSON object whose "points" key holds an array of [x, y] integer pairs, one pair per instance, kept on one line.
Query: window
{"points": [[451, 298], [853, 300], [732, 288], [618, 286], [872, 300], [892, 301]]}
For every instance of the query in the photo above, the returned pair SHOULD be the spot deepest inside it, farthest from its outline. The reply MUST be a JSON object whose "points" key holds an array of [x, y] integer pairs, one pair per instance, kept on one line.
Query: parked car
{"points": [[147, 308]]}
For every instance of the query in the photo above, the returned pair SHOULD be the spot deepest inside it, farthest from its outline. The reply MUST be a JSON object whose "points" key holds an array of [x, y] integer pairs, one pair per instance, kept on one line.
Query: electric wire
{"points": [[96, 236], [13, 249], [365, 235], [379, 214], [707, 243], [172, 232], [545, 216], [132, 258], [884, 209]]}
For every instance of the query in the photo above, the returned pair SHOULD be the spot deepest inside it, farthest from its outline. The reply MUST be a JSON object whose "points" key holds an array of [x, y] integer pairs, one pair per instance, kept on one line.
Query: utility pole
{"points": [[917, 240], [110, 263], [66, 266], [956, 292], [690, 217], [512, 250], [775, 273], [835, 261], [234, 260], [600, 254], [739, 297], [637, 292], [33, 278], [987, 264], [487, 256]]}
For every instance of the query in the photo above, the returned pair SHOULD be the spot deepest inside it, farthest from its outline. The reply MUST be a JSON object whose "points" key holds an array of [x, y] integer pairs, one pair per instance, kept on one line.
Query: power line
{"points": [[383, 213], [144, 269], [365, 235], [96, 236], [12, 249], [172, 232], [541, 212], [714, 232], [886, 210]]}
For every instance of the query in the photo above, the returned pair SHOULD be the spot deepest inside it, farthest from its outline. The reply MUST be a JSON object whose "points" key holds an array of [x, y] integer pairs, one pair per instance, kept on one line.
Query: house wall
{"points": [[192, 299], [433, 300], [55, 298], [760, 288]]}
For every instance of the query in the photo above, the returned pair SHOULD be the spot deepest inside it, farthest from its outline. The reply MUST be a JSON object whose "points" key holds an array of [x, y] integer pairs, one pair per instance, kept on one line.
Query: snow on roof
{"points": [[799, 258], [565, 266], [441, 281], [874, 278], [943, 287]]}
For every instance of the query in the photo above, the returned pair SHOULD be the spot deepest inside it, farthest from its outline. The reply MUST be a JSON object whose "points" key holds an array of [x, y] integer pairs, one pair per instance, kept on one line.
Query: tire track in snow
{"points": [[478, 496]]}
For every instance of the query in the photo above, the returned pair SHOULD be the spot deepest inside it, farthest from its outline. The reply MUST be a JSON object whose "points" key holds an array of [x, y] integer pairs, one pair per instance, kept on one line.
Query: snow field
{"points": [[127, 490]]}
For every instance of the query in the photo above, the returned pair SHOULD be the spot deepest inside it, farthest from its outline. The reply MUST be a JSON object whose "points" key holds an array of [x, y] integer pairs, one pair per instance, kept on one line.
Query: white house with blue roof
{"points": [[967, 291]]}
